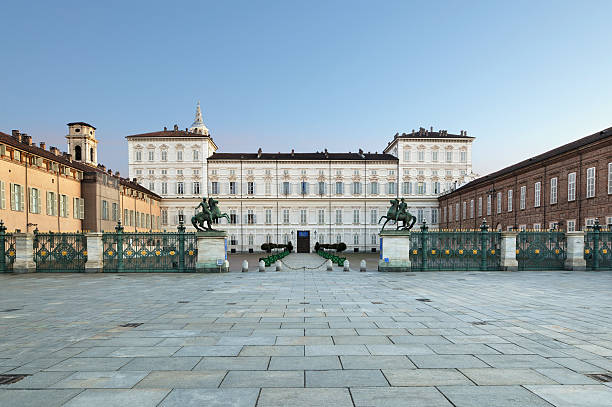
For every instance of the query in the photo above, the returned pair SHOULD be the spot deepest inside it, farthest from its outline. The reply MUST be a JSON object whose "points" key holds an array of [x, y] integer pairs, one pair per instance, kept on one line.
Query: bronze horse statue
{"points": [[399, 212], [209, 214]]}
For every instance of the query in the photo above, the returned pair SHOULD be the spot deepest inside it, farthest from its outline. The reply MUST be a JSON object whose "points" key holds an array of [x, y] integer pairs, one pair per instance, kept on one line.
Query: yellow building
{"points": [[66, 192]]}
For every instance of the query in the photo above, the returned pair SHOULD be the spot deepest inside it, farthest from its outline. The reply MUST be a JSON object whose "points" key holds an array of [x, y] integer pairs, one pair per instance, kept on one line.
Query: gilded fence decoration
{"points": [[598, 248], [56, 252], [7, 249], [541, 250]]}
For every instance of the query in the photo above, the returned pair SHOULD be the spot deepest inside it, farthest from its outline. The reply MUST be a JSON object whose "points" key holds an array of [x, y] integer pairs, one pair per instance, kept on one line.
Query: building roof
{"points": [[63, 159], [440, 134], [82, 124], [574, 145], [169, 133], [323, 156]]}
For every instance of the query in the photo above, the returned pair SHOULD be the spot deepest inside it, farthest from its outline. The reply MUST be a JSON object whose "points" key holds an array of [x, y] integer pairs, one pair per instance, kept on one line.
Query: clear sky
{"points": [[520, 76]]}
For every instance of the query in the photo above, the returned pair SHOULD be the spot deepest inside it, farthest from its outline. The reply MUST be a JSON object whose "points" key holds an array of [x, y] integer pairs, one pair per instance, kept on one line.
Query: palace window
{"points": [[180, 188], [321, 216], [268, 216], [523, 197], [303, 216], [214, 188], [590, 180], [138, 155], [449, 156], [392, 189], [457, 211], [321, 188], [499, 202], [553, 190], [421, 156], [434, 156], [509, 200], [571, 225], [114, 212], [268, 188], [489, 199], [286, 188], [304, 188], [35, 203], [356, 188], [164, 188], [151, 155], [104, 210], [537, 188], [78, 208], [571, 186], [355, 239], [164, 155], [421, 188], [479, 206], [250, 217], [232, 187], [338, 216], [373, 216], [250, 188], [196, 155], [464, 156], [286, 216], [179, 155], [609, 178], [407, 188], [339, 188], [356, 216], [471, 209], [464, 210], [196, 188], [51, 204], [406, 155], [436, 187], [233, 217], [164, 216], [374, 188], [434, 216], [421, 214]]}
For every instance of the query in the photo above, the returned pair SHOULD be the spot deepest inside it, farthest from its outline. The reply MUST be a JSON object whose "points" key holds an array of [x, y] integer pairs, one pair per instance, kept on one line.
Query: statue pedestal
{"points": [[212, 252], [394, 250]]}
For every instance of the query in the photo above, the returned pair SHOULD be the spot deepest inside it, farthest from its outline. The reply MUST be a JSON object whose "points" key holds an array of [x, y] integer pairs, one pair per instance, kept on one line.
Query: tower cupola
{"points": [[82, 143]]}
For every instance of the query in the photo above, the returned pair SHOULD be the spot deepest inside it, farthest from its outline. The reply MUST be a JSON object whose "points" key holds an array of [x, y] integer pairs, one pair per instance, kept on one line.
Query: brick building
{"points": [[566, 188]]}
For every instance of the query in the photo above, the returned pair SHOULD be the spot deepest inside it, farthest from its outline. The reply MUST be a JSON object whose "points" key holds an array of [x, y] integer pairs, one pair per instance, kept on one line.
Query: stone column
{"points": [[212, 252], [24, 256], [95, 252], [395, 251], [575, 251], [508, 260]]}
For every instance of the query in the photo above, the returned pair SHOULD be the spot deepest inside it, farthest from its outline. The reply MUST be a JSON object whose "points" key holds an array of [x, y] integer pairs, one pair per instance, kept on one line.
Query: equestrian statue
{"points": [[399, 212], [210, 214]]}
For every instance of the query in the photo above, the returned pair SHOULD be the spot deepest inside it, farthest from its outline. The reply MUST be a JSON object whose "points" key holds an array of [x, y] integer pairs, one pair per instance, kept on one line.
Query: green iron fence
{"points": [[455, 250], [7, 250], [598, 248], [149, 251], [541, 250], [56, 252]]}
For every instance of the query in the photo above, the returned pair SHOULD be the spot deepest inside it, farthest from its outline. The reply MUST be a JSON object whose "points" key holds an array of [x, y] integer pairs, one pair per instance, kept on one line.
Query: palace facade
{"points": [[565, 188], [301, 197]]}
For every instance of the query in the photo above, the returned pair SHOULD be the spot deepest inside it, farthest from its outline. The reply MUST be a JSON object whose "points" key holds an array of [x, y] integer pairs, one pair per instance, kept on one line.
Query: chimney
{"points": [[102, 167], [25, 139], [176, 127], [465, 132], [259, 153], [54, 150], [292, 152], [165, 128], [43, 145], [67, 156], [16, 134], [110, 172], [134, 180], [360, 151], [117, 174], [413, 132]]}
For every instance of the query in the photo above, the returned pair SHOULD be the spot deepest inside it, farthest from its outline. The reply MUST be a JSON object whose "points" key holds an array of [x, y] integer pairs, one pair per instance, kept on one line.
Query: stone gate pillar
{"points": [[24, 256], [508, 261], [394, 250], [575, 251], [95, 252]]}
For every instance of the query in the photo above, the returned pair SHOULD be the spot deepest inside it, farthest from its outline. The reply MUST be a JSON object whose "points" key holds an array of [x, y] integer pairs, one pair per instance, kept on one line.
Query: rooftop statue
{"points": [[399, 212], [210, 213]]}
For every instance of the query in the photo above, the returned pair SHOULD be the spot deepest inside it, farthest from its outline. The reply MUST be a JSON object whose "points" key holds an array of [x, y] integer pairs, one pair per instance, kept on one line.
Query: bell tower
{"points": [[82, 143]]}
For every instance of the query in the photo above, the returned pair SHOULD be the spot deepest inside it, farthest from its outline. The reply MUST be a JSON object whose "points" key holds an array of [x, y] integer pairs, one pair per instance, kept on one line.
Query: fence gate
{"points": [[455, 250], [597, 250], [541, 250], [149, 252], [60, 252], [7, 250]]}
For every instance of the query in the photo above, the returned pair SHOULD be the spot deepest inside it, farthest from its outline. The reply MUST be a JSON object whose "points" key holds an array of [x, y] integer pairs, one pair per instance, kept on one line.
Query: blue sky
{"points": [[521, 76]]}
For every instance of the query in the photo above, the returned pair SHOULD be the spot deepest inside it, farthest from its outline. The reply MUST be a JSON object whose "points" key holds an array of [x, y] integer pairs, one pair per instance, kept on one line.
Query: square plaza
{"points": [[307, 338]]}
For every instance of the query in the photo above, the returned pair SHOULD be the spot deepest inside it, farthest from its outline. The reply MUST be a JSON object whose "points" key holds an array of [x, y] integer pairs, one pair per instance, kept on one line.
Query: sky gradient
{"points": [[521, 76]]}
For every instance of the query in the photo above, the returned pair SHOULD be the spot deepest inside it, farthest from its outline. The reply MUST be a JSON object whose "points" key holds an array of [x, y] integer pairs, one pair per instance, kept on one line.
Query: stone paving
{"points": [[307, 338]]}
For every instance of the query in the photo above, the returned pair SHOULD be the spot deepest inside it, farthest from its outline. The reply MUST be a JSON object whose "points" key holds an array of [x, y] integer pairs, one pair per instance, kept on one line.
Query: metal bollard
{"points": [[245, 266], [279, 265], [262, 266], [226, 265], [329, 264], [346, 265], [363, 266]]}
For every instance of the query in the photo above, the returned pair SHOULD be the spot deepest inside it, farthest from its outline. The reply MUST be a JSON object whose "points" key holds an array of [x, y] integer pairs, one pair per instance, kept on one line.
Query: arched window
{"points": [[91, 154], [77, 153]]}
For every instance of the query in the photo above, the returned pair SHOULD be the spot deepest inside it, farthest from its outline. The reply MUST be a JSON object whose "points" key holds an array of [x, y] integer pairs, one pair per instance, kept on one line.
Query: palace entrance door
{"points": [[303, 241]]}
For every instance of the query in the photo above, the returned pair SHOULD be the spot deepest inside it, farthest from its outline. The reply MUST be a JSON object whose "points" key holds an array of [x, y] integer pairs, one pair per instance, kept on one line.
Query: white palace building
{"points": [[317, 196]]}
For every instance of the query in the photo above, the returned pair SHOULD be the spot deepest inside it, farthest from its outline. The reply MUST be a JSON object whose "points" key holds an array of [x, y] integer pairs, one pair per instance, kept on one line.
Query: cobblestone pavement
{"points": [[307, 338]]}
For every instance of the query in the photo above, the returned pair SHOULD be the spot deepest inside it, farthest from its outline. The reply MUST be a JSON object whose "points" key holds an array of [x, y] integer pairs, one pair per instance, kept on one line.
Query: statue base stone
{"points": [[212, 252], [394, 250]]}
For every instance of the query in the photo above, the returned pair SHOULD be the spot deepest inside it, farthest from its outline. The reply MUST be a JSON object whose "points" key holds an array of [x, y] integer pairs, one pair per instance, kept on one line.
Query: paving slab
{"points": [[492, 396], [43, 397], [211, 398], [425, 377], [100, 380], [269, 378], [505, 377], [229, 350], [446, 361], [90, 364], [575, 395], [163, 363], [563, 375], [345, 378], [304, 363], [233, 363], [376, 362], [307, 397], [182, 379], [118, 398], [398, 397]]}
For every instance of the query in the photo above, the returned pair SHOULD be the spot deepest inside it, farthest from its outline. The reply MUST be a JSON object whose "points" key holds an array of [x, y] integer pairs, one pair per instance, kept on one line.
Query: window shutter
{"points": [[254, 218], [30, 200], [387, 189], [2, 195], [66, 206], [75, 208], [38, 202], [254, 190], [61, 206], [21, 200]]}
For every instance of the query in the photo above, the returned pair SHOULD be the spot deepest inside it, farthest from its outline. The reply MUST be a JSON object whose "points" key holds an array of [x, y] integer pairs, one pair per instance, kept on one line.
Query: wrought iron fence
{"points": [[149, 251], [7, 249], [455, 250], [598, 248], [541, 250], [55, 252]]}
